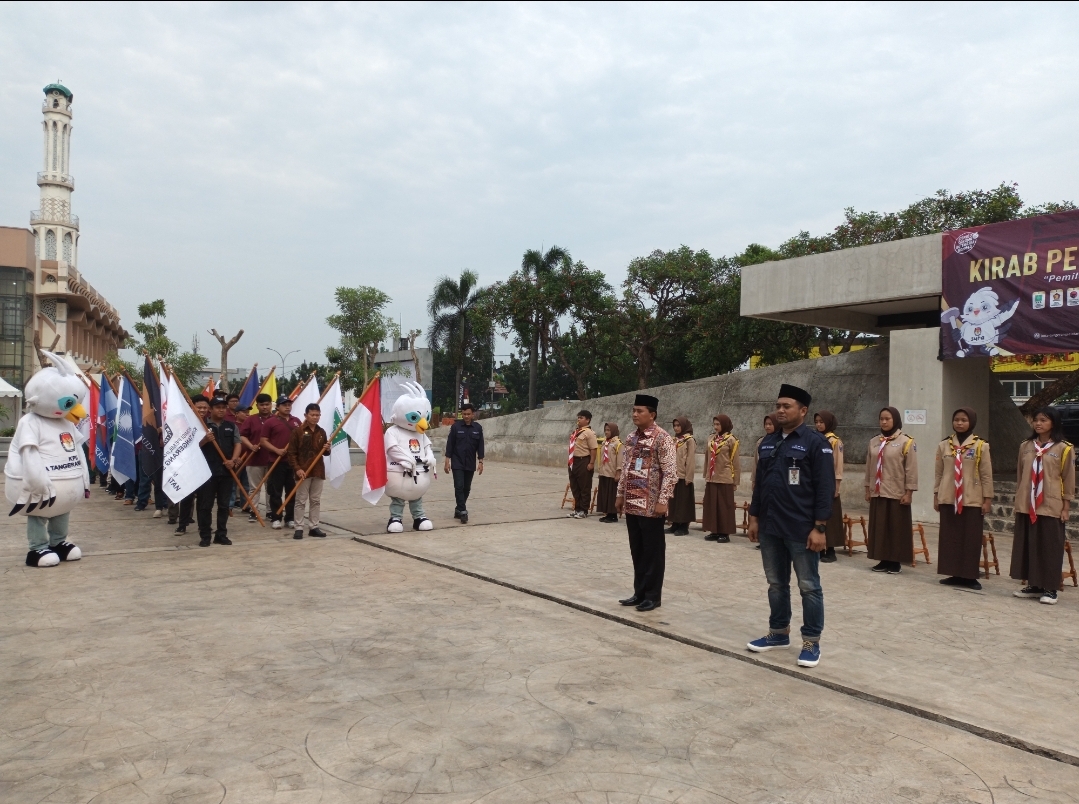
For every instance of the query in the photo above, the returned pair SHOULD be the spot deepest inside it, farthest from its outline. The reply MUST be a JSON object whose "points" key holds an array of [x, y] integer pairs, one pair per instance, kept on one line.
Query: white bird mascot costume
{"points": [[409, 458], [46, 473]]}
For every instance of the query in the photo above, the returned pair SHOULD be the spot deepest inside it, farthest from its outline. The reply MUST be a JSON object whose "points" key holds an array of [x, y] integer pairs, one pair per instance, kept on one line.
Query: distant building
{"points": [[43, 296]]}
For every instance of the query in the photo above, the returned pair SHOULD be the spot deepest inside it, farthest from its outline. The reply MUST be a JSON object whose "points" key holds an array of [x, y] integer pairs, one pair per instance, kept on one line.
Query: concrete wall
{"points": [[896, 277]]}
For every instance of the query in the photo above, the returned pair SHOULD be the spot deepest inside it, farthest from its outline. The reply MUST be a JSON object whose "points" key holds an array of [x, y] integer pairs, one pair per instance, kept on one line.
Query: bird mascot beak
{"points": [[76, 414], [422, 425]]}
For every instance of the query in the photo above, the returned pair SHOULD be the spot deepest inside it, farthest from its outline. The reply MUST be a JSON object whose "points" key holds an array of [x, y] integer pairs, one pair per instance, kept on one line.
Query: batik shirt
{"points": [[649, 472]]}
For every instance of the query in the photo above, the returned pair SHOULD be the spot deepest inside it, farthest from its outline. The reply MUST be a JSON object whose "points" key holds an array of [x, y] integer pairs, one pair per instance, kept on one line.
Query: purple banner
{"points": [[1011, 288]]}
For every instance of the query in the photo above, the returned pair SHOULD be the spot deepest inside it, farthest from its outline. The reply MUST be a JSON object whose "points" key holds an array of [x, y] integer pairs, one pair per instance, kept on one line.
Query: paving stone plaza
{"points": [[491, 662]]}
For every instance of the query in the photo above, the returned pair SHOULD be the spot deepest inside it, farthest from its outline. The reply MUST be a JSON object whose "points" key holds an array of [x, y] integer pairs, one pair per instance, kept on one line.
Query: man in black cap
{"points": [[644, 489], [792, 501], [218, 489], [276, 432]]}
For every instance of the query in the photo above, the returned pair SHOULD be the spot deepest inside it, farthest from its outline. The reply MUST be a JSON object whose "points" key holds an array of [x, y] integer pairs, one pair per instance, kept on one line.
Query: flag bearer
{"points": [[583, 449], [306, 442], [1045, 487], [276, 432], [891, 478], [218, 489]]}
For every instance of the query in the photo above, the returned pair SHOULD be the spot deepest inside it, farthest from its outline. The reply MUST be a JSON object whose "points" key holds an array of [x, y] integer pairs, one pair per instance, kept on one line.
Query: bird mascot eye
{"points": [[67, 402], [412, 417]]}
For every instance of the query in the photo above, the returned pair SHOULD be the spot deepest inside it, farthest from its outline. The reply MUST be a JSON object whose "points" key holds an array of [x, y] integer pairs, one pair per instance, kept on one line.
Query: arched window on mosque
{"points": [[50, 245], [67, 247]]}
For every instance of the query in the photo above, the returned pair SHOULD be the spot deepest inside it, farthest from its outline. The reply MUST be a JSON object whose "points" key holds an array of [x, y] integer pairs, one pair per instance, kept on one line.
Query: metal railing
{"points": [[52, 177], [65, 220]]}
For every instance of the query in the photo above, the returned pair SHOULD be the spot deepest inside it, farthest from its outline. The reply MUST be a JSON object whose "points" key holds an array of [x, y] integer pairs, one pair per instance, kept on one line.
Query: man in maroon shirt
{"points": [[251, 438], [276, 432]]}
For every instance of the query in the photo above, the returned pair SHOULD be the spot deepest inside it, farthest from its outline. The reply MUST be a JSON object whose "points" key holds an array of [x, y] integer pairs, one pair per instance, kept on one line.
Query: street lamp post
{"points": [[282, 359]]}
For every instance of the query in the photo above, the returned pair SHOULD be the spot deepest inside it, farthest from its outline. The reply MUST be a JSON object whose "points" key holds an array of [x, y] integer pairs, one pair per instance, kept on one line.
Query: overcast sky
{"points": [[241, 161]]}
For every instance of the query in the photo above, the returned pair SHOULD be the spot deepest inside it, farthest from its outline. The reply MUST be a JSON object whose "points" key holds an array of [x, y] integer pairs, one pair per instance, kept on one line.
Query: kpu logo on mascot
{"points": [[45, 472], [410, 461], [981, 325]]}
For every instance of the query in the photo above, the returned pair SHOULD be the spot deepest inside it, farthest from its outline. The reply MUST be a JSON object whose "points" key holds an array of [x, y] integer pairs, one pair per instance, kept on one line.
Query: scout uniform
{"points": [[962, 479], [610, 467], [891, 470], [1045, 478], [683, 508], [582, 445], [720, 480]]}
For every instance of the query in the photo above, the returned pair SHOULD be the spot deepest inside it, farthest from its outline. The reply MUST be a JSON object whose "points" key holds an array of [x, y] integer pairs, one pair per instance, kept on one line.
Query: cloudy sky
{"points": [[242, 161]]}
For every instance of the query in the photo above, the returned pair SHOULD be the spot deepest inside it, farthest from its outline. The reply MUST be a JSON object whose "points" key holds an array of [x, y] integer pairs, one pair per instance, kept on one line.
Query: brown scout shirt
{"points": [[1058, 486], [304, 444], [725, 471], [977, 472], [585, 443], [899, 473], [612, 467], [685, 457]]}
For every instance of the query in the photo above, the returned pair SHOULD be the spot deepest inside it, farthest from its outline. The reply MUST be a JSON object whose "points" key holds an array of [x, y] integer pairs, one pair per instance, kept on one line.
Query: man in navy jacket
{"points": [[792, 501], [464, 450]]}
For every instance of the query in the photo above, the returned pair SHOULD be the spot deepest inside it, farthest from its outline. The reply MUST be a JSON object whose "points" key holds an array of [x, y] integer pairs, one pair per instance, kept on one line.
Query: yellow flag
{"points": [[269, 386]]}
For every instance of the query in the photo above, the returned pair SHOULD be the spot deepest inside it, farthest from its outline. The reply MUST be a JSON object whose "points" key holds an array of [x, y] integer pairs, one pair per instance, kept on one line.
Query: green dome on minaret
{"points": [[61, 89]]}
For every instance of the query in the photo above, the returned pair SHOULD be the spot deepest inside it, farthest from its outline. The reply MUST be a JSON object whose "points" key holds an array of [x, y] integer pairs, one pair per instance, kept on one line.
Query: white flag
{"points": [[333, 411], [185, 467], [308, 395]]}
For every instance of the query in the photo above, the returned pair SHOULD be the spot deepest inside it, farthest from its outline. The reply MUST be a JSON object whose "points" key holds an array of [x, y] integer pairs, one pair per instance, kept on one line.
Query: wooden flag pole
{"points": [[273, 466], [224, 460], [317, 458]]}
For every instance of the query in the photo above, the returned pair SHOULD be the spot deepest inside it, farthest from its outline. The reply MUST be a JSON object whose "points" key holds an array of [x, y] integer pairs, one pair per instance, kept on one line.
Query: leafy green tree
{"points": [[458, 322], [362, 326], [323, 375], [157, 343], [586, 297]]}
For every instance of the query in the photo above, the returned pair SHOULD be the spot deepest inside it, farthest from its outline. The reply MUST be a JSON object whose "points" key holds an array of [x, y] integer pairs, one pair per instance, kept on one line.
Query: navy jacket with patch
{"points": [[790, 510]]}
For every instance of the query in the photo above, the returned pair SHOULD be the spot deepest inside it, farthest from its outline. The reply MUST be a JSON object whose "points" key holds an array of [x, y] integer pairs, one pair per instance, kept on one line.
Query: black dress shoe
{"points": [[631, 601], [712, 537], [671, 530], [456, 514], [648, 605], [722, 538], [204, 541], [318, 533], [828, 556]]}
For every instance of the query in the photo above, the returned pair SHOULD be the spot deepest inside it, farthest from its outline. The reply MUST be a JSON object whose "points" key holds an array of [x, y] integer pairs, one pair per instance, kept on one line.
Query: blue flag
{"points": [[250, 390], [106, 421], [128, 432]]}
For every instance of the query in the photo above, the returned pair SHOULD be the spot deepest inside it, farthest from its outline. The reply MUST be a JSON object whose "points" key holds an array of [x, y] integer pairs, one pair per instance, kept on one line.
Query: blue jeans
{"points": [[146, 483], [777, 554]]}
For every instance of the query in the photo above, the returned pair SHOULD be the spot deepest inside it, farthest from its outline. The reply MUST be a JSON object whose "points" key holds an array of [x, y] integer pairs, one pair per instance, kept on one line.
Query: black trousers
{"points": [[580, 483], [648, 547], [462, 487], [278, 487], [217, 490]]}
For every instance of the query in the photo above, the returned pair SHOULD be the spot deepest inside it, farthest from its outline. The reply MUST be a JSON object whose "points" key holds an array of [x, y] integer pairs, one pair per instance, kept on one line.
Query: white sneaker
{"points": [[571, 515], [1049, 597], [277, 524], [157, 514], [292, 524]]}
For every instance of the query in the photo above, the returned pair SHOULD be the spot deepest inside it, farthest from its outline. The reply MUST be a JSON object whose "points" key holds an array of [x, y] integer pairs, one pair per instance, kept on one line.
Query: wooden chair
{"points": [[1071, 567], [987, 545], [744, 527], [848, 525], [924, 549], [566, 497], [595, 495]]}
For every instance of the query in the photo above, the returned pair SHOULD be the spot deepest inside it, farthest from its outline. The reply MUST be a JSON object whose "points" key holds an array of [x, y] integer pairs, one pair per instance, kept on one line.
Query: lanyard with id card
{"points": [[645, 452], [794, 476]]}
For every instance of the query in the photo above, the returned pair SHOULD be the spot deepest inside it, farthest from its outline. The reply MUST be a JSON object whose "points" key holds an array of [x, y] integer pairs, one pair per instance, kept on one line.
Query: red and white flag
{"points": [[364, 426]]}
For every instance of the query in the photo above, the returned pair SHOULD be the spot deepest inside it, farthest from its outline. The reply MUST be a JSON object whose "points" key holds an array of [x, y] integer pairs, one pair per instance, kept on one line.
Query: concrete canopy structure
{"points": [[891, 289]]}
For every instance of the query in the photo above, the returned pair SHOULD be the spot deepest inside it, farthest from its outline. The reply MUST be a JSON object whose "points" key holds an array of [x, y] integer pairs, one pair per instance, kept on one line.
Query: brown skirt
{"points": [[891, 531], [1038, 551], [959, 552], [608, 491], [719, 509], [836, 534], [683, 509]]}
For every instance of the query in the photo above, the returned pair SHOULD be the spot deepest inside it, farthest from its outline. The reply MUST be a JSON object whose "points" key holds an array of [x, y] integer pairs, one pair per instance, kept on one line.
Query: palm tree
{"points": [[455, 320], [535, 266]]}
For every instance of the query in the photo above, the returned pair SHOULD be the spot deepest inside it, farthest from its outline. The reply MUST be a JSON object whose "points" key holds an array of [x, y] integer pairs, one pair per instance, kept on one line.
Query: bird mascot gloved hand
{"points": [[410, 461], [45, 471]]}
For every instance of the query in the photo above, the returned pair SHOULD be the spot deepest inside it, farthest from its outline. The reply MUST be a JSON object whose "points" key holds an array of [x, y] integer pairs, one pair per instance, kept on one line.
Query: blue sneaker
{"points": [[810, 655], [770, 642]]}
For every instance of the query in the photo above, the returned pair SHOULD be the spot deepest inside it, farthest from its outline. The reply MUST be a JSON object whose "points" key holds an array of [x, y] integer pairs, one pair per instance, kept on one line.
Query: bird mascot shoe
{"points": [[410, 461], [46, 474]]}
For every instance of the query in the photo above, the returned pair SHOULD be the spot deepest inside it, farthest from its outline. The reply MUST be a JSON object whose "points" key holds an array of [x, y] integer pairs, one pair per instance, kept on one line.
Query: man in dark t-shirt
{"points": [[218, 489], [276, 432]]}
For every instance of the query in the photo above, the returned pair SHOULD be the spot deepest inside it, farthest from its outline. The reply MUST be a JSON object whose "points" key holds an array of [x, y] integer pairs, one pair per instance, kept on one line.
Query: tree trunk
{"points": [[457, 392], [578, 377], [823, 345], [1050, 393], [848, 341], [533, 369], [415, 360], [644, 367], [225, 346]]}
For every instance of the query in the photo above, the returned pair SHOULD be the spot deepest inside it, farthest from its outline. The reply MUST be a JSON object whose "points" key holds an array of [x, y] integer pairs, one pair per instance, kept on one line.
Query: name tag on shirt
{"points": [[794, 476], [638, 464]]}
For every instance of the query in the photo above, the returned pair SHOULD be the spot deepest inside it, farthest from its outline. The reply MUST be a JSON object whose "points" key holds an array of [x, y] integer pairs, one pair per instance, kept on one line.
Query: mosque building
{"points": [[45, 302]]}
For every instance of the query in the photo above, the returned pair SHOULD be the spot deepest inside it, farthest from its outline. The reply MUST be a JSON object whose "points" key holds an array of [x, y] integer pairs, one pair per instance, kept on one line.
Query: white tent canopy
{"points": [[7, 389]]}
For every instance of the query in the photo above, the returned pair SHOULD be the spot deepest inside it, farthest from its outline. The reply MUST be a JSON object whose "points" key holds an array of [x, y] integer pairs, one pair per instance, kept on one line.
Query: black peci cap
{"points": [[795, 393]]}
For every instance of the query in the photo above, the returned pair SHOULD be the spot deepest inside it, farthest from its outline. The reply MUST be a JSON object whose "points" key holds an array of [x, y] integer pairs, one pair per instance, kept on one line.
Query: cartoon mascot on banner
{"points": [[409, 458], [981, 325], [46, 473]]}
